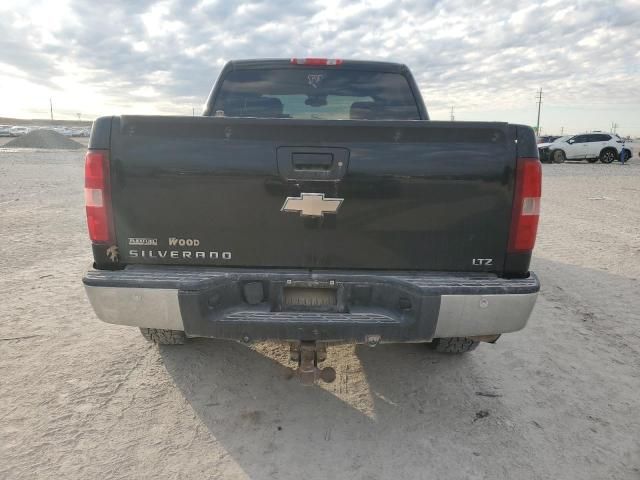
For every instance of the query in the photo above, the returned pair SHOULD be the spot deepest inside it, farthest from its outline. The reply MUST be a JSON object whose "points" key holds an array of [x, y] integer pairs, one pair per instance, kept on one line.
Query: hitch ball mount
{"points": [[308, 354]]}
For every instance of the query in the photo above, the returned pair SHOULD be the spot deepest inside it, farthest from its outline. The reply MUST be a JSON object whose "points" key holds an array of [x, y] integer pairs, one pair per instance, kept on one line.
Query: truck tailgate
{"points": [[211, 191]]}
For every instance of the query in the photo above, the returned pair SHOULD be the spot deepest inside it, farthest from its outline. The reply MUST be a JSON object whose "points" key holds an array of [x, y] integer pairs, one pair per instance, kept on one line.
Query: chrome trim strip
{"points": [[138, 307], [472, 315]]}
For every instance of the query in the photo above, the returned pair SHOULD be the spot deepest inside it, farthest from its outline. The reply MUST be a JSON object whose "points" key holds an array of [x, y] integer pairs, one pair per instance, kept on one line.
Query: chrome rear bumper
{"points": [[398, 306]]}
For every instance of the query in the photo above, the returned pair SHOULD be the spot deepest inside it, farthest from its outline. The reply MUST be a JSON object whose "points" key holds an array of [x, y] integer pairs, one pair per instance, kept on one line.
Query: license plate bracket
{"points": [[306, 297]]}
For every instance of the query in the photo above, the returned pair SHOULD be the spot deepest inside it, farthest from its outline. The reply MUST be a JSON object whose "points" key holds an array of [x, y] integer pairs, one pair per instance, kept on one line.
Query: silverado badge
{"points": [[312, 204]]}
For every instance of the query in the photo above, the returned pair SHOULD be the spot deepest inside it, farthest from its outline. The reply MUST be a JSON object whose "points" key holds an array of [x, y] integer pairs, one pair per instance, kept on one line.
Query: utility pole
{"points": [[51, 108], [452, 116], [539, 97], [561, 131], [193, 111]]}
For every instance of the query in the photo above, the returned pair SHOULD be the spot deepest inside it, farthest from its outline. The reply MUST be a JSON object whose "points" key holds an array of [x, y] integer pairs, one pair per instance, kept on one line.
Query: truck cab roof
{"points": [[368, 65]]}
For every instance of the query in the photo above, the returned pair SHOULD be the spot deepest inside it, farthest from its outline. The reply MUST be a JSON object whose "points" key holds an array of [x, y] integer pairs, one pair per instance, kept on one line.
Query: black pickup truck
{"points": [[313, 202]]}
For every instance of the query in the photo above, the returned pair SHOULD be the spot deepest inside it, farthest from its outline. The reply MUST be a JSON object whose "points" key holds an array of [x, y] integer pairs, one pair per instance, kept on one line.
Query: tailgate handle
{"points": [[312, 161], [302, 162]]}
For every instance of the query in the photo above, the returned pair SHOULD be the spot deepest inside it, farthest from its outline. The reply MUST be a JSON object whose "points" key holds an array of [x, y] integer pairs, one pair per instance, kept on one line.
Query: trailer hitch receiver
{"points": [[308, 355]]}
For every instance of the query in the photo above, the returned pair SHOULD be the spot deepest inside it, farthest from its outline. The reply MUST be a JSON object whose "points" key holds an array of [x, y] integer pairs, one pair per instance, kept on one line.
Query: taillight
{"points": [[526, 206], [316, 61], [97, 196]]}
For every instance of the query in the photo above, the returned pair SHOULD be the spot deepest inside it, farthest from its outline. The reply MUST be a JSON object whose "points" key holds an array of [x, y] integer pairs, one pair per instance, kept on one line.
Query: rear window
{"points": [[322, 94]]}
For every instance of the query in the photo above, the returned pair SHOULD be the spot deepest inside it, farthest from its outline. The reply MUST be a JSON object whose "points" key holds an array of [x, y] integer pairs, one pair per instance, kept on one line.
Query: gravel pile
{"points": [[44, 139]]}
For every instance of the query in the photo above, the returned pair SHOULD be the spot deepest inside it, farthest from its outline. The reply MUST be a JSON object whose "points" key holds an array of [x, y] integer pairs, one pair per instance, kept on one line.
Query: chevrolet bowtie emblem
{"points": [[312, 204]]}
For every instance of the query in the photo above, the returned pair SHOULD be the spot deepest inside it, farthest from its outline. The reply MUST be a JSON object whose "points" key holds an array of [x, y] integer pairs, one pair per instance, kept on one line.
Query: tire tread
{"points": [[163, 337], [455, 345]]}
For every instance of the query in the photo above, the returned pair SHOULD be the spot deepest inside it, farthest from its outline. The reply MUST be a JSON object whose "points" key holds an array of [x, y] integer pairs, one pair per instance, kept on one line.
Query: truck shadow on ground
{"points": [[404, 411], [387, 405]]}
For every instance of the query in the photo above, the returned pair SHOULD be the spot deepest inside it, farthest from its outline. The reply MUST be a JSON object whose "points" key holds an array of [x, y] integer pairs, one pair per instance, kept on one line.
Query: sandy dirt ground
{"points": [[80, 399]]}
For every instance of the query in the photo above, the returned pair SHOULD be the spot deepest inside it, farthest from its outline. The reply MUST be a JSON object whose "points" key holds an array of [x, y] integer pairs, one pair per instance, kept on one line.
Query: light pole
{"points": [[539, 97]]}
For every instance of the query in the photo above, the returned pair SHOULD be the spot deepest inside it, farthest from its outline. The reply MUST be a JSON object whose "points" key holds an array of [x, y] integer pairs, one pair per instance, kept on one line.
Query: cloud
{"points": [[481, 55]]}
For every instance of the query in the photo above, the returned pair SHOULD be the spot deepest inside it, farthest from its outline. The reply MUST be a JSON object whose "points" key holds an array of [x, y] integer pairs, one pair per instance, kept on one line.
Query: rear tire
{"points": [[163, 337], [454, 345], [608, 155], [558, 156]]}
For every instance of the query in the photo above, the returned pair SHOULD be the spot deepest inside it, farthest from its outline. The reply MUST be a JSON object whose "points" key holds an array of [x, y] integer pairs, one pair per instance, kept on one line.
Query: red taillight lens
{"points": [[97, 196], [316, 61], [526, 206], [94, 169]]}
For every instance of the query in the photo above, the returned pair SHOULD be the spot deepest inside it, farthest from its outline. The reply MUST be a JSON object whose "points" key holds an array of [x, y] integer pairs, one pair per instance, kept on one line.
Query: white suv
{"points": [[587, 146]]}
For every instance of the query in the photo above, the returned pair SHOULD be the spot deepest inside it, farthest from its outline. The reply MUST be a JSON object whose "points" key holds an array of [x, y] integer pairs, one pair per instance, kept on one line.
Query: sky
{"points": [[486, 59]]}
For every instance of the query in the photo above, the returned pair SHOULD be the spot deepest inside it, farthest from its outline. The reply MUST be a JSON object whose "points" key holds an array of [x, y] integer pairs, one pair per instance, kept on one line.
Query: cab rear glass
{"points": [[322, 94]]}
